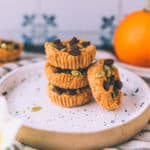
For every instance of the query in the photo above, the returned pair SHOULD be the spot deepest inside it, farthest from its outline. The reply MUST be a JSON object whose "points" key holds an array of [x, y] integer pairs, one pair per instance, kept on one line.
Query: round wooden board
{"points": [[80, 141]]}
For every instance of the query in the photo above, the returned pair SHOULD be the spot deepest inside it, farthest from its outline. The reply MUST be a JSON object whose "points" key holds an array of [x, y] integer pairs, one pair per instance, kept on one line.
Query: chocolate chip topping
{"points": [[60, 46], [72, 47], [57, 70], [108, 62], [113, 95], [68, 91], [116, 91], [71, 92], [69, 71], [58, 90], [85, 44], [118, 84], [16, 46], [110, 76], [74, 51], [111, 80], [73, 41], [106, 85], [57, 41], [7, 42], [9, 45]]}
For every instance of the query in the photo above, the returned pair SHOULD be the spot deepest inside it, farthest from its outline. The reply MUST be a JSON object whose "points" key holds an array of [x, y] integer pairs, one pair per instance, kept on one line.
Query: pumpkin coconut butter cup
{"points": [[70, 54], [66, 71], [69, 97], [65, 78], [105, 84], [10, 50]]}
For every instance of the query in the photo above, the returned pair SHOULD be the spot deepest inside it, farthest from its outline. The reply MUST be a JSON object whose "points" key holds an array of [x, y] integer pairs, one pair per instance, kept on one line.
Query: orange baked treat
{"points": [[105, 84], [65, 78], [70, 54], [69, 97], [10, 50]]}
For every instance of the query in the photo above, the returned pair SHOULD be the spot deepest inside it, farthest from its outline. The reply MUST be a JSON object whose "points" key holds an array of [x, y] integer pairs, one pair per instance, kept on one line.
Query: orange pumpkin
{"points": [[132, 38]]}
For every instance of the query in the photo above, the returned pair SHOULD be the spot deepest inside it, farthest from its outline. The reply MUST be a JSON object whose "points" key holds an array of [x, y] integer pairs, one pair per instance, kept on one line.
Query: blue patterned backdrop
{"points": [[36, 21], [38, 31]]}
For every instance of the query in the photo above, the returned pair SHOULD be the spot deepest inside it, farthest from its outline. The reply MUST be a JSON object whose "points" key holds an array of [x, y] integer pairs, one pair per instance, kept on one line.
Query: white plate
{"points": [[26, 87], [141, 71]]}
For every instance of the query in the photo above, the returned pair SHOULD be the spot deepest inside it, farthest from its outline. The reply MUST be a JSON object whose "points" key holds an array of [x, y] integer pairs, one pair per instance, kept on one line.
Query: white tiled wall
{"points": [[11, 15], [11, 12], [81, 15], [73, 17], [129, 6]]}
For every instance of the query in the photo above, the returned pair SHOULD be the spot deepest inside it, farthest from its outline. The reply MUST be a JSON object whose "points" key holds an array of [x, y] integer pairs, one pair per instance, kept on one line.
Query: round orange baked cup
{"points": [[64, 60], [11, 54], [66, 100], [96, 81], [63, 80]]}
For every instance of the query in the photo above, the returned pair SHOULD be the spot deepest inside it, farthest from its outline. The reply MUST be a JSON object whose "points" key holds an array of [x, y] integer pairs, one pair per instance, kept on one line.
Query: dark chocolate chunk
{"points": [[116, 91], [16, 46], [74, 51], [83, 89], [83, 70], [57, 70], [73, 41], [67, 71], [60, 46], [108, 62], [106, 85], [71, 92], [111, 80], [68, 91], [113, 94], [6, 42], [85, 44], [58, 90], [57, 41], [118, 84]]}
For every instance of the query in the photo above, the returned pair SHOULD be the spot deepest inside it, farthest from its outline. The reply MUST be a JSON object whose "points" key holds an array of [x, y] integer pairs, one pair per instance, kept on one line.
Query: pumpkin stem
{"points": [[147, 8]]}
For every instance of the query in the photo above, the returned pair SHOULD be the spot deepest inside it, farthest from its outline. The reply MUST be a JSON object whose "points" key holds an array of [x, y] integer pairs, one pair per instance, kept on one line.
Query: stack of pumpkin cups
{"points": [[66, 70]]}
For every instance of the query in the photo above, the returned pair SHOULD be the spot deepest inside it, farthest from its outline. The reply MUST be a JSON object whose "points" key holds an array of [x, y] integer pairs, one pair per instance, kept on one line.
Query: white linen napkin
{"points": [[8, 126]]}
